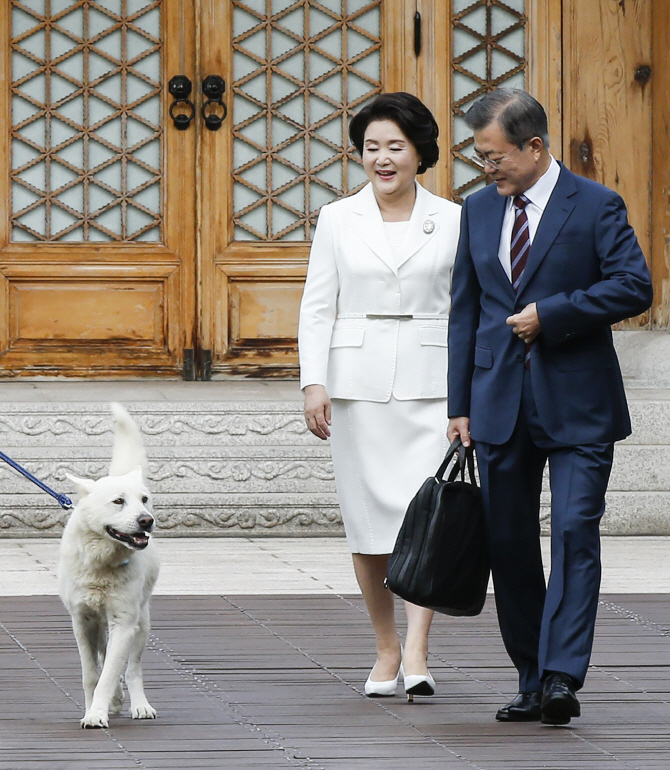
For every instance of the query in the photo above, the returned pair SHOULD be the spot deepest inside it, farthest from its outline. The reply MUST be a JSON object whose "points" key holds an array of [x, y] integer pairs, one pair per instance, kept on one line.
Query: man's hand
{"points": [[526, 324], [459, 426], [317, 411]]}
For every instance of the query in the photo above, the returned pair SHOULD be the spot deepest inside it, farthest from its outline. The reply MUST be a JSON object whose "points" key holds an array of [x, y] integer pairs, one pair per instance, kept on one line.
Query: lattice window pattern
{"points": [[86, 115], [488, 52], [301, 69]]}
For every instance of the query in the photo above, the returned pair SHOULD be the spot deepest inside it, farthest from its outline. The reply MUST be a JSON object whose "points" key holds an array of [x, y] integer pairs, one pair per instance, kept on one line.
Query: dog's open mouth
{"points": [[138, 540]]}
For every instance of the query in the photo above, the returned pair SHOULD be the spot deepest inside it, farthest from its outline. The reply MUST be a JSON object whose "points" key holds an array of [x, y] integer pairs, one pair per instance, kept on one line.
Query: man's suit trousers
{"points": [[544, 629]]}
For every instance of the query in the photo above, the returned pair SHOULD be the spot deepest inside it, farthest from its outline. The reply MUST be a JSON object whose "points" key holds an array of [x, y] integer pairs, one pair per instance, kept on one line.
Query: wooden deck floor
{"points": [[276, 682]]}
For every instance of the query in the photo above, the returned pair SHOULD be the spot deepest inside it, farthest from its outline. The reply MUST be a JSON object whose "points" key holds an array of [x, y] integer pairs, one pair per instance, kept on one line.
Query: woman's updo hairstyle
{"points": [[411, 116]]}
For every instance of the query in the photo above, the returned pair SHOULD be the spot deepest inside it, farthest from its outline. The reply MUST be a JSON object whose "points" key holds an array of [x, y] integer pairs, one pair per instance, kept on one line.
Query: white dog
{"points": [[107, 570]]}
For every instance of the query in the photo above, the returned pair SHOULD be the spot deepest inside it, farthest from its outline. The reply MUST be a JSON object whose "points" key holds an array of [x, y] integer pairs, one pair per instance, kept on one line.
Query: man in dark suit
{"points": [[546, 263]]}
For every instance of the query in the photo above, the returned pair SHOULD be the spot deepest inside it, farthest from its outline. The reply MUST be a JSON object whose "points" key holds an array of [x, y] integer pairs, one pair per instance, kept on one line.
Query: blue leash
{"points": [[64, 500]]}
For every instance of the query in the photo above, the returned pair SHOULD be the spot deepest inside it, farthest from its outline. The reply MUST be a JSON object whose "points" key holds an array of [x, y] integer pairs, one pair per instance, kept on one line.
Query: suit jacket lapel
{"points": [[368, 224], [558, 209], [492, 222], [419, 232]]}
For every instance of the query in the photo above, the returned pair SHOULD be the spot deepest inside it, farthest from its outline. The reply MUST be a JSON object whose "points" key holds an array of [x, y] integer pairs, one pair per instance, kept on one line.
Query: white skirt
{"points": [[382, 453]]}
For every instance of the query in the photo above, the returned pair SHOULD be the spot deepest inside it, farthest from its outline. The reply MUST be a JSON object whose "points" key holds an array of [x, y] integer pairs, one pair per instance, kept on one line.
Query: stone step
{"points": [[234, 458]]}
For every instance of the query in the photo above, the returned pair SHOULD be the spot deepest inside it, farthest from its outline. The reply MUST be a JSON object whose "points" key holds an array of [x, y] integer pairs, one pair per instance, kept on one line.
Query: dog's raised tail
{"points": [[128, 451]]}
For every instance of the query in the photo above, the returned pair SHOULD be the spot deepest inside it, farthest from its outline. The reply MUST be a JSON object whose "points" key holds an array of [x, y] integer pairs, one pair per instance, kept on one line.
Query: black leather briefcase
{"points": [[440, 559]]}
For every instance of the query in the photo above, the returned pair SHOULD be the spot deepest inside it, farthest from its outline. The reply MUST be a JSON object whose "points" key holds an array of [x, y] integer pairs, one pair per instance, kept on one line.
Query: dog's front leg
{"points": [[118, 646], [140, 708], [90, 638]]}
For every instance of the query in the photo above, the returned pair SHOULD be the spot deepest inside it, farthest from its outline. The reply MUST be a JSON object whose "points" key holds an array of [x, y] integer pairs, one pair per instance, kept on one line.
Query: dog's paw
{"points": [[95, 720], [143, 711]]}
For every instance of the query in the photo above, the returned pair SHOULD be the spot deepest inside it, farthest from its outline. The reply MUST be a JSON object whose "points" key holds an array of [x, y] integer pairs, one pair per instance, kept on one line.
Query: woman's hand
{"points": [[317, 411]]}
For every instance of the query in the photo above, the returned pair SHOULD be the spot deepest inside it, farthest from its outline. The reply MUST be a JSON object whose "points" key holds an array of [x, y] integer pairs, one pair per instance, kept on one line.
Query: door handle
{"points": [[180, 87], [213, 87]]}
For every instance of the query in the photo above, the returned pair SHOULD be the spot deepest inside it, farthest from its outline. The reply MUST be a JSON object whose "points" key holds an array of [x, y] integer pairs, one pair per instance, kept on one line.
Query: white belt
{"points": [[395, 316]]}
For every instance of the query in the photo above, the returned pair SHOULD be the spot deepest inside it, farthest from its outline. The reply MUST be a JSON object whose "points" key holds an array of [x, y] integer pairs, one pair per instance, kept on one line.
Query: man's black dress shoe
{"points": [[559, 702], [524, 708]]}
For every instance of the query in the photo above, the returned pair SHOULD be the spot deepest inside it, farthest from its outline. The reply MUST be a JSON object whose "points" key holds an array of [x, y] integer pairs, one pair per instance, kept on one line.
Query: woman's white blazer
{"points": [[370, 327]]}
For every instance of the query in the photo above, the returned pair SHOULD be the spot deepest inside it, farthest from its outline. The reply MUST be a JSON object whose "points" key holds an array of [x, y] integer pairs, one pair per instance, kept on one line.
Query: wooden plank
{"points": [[607, 103], [660, 203]]}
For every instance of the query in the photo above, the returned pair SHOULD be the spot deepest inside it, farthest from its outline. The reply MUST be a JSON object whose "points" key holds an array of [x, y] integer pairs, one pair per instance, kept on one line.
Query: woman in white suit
{"points": [[373, 357]]}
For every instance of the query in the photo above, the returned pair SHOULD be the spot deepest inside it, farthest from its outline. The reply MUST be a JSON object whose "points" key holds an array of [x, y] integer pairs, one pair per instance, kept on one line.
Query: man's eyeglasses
{"points": [[494, 163]]}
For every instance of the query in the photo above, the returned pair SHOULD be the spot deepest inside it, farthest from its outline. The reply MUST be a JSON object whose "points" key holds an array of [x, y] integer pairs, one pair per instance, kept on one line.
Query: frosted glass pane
{"points": [[99, 198], [150, 153], [294, 197], [22, 22], [256, 132], [150, 22], [514, 42], [136, 176], [281, 219], [463, 173], [331, 175], [61, 219], [22, 154], [150, 110], [137, 132], [73, 68], [256, 176], [39, 6], [370, 65], [98, 22], [476, 20], [112, 176], [136, 44], [73, 154], [369, 22], [464, 42], [72, 22], [476, 64], [149, 66], [35, 220], [61, 88], [137, 220], [22, 198], [36, 89]]}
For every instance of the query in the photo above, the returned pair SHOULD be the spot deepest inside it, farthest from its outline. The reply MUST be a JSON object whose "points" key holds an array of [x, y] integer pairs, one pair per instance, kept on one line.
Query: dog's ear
{"points": [[84, 486], [137, 471]]}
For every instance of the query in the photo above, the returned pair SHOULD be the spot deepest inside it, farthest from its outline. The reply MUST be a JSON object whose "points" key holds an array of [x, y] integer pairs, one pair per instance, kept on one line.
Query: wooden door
{"points": [[296, 70], [97, 252]]}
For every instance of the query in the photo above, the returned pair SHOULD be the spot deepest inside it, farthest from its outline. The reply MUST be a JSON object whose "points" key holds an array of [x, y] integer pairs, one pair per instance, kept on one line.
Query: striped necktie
{"points": [[519, 248], [520, 245]]}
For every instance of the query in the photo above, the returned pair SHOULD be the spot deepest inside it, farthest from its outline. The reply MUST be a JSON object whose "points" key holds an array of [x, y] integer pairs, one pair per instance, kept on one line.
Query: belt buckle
{"points": [[391, 316]]}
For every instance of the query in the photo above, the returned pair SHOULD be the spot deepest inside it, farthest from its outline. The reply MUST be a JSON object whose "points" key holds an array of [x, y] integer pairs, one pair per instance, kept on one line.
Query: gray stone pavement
{"points": [[267, 565]]}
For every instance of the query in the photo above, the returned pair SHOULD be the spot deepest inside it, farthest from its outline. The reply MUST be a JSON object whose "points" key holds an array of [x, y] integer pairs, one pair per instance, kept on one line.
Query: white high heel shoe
{"points": [[417, 684], [383, 689]]}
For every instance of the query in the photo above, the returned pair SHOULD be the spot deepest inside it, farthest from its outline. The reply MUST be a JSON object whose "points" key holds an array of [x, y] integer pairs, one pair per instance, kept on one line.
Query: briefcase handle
{"points": [[465, 457]]}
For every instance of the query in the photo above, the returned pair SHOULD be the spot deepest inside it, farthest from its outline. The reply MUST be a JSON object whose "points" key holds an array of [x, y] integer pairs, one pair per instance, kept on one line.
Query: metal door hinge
{"points": [[197, 365], [189, 365]]}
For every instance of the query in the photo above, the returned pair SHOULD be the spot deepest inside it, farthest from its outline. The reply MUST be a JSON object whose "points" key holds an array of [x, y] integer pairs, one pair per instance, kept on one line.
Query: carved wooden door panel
{"points": [[97, 252]]}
